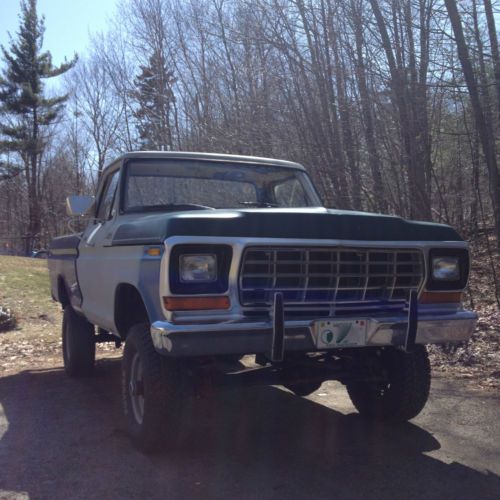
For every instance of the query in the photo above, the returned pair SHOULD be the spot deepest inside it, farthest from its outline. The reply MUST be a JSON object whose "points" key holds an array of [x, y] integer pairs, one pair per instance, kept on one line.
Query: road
{"points": [[62, 438]]}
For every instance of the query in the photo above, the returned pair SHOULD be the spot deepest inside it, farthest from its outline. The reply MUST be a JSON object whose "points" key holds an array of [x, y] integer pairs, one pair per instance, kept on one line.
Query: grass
{"points": [[36, 341], [24, 285], [25, 290]]}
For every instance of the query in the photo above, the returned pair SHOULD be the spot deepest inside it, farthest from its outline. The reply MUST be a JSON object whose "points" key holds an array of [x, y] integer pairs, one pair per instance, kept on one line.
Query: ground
{"points": [[62, 438]]}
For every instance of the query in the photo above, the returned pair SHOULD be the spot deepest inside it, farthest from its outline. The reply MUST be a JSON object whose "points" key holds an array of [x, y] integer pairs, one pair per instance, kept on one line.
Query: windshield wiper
{"points": [[259, 204], [170, 206]]}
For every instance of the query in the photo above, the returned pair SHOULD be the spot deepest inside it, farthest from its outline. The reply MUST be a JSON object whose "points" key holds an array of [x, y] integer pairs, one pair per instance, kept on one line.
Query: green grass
{"points": [[25, 288], [24, 279]]}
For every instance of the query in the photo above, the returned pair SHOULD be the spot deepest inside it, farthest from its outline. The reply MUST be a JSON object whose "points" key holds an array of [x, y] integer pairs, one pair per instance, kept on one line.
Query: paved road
{"points": [[62, 438]]}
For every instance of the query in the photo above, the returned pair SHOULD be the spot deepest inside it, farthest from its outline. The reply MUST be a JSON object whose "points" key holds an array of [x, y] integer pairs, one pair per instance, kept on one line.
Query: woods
{"points": [[392, 105]]}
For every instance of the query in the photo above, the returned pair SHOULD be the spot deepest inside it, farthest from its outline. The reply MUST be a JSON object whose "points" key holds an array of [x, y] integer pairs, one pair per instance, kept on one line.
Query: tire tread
{"points": [[80, 333], [163, 392], [410, 375]]}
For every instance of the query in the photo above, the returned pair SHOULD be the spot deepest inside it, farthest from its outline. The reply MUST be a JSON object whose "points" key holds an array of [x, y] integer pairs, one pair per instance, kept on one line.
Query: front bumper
{"points": [[252, 337]]}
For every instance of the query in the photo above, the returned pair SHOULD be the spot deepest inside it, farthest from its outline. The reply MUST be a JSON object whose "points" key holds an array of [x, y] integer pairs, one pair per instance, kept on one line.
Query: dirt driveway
{"points": [[62, 438]]}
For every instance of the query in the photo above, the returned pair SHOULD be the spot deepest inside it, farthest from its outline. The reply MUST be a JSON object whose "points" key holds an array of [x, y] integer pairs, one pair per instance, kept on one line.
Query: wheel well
{"points": [[62, 292], [129, 308]]}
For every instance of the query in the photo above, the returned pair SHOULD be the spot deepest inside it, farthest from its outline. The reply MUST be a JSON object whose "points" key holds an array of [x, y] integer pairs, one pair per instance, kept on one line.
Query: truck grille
{"points": [[327, 281]]}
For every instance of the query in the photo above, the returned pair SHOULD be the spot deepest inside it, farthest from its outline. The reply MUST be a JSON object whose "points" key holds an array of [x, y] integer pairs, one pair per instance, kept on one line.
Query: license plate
{"points": [[337, 333]]}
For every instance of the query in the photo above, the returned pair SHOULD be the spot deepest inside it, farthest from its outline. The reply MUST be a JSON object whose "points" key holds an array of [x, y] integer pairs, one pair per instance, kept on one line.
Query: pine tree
{"points": [[26, 112], [155, 98]]}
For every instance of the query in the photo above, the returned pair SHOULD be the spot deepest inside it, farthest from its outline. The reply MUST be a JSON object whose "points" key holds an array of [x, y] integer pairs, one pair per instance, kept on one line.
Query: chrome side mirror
{"points": [[77, 205]]}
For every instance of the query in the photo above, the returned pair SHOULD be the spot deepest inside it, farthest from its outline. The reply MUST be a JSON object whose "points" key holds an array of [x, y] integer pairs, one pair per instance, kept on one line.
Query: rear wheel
{"points": [[152, 392], [78, 344], [403, 393]]}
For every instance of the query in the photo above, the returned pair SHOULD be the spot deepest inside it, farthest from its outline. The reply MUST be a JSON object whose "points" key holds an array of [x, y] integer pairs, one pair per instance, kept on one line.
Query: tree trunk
{"points": [[344, 110], [401, 97], [369, 130], [485, 132], [34, 217], [495, 55]]}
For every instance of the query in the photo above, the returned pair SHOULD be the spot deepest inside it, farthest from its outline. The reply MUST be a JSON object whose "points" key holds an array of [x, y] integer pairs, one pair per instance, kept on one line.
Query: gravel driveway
{"points": [[62, 438]]}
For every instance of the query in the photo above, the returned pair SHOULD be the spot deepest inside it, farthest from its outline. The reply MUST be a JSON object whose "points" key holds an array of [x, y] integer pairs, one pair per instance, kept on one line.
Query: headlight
{"points": [[198, 268], [446, 268]]}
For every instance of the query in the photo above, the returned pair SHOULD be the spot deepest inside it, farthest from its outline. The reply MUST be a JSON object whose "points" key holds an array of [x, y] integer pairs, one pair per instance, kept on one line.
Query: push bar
{"points": [[411, 331], [278, 338]]}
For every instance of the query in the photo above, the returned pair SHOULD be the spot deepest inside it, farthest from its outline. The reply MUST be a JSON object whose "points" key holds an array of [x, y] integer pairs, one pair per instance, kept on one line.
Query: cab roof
{"points": [[183, 155]]}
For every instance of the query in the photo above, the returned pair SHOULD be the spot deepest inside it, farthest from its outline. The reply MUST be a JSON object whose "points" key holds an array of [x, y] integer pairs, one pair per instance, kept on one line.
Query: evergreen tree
{"points": [[155, 98], [23, 107]]}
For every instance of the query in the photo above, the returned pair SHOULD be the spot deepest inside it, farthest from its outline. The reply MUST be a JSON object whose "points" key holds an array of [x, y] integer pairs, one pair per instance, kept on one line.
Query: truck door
{"points": [[97, 260]]}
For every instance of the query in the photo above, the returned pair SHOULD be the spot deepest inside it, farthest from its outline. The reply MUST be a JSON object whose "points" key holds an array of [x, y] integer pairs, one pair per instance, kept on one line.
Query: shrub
{"points": [[7, 320]]}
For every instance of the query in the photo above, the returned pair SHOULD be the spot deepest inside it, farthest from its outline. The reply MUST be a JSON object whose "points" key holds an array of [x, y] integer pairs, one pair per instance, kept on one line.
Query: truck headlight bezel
{"points": [[195, 254], [448, 269]]}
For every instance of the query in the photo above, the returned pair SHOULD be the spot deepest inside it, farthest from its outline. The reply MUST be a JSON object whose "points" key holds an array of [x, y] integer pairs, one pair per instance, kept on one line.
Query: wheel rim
{"points": [[136, 389]]}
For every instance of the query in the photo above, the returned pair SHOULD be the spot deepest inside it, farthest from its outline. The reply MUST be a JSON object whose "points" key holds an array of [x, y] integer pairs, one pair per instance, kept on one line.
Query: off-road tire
{"points": [[162, 391], [303, 389], [78, 344], [407, 389]]}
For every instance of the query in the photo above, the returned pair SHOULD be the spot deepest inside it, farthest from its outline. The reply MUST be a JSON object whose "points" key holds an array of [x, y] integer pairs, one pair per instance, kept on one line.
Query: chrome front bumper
{"points": [[251, 337]]}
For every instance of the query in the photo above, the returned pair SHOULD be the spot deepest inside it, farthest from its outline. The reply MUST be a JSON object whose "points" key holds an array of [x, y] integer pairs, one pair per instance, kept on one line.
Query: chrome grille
{"points": [[327, 280]]}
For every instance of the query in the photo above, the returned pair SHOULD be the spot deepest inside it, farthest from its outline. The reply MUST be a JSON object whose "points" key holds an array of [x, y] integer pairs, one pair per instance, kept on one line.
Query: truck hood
{"points": [[306, 223]]}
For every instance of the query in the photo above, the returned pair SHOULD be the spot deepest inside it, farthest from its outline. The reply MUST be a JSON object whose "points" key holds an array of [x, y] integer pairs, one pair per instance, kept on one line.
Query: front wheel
{"points": [[151, 392], [403, 391]]}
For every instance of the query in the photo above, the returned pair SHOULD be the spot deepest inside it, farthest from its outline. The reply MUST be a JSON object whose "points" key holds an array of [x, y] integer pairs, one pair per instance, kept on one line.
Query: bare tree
{"points": [[485, 132], [100, 109]]}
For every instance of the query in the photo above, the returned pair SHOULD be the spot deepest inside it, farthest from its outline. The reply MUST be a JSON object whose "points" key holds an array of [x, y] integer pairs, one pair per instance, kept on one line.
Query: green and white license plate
{"points": [[333, 333]]}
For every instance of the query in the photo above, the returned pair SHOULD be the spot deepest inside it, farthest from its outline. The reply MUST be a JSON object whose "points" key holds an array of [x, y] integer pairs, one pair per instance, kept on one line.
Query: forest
{"points": [[393, 106]]}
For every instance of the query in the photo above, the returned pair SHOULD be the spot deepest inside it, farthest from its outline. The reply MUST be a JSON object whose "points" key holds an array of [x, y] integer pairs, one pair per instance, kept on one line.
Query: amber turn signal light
{"points": [[196, 303], [154, 251], [440, 297]]}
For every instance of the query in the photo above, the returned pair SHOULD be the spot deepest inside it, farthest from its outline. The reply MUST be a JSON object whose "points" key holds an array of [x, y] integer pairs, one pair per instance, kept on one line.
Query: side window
{"points": [[107, 197], [290, 194]]}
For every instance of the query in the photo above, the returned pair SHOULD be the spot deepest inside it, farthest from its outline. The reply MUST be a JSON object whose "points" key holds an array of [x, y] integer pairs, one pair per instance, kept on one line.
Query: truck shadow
{"points": [[61, 438]]}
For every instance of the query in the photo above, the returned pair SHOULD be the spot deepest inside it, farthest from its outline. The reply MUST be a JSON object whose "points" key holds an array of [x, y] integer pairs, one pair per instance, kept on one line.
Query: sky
{"points": [[67, 23]]}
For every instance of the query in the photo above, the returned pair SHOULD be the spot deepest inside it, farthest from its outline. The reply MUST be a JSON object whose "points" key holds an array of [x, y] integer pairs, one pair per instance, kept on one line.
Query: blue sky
{"points": [[67, 23]]}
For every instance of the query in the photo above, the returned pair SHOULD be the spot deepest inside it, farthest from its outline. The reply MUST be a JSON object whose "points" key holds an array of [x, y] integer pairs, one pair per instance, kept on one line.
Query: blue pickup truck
{"points": [[195, 260]]}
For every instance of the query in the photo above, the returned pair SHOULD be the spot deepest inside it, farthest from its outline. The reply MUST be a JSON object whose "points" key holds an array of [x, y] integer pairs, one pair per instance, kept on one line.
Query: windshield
{"points": [[187, 184]]}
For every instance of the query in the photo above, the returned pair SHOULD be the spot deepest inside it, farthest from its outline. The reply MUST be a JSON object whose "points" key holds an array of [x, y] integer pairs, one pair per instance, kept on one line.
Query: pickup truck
{"points": [[196, 260]]}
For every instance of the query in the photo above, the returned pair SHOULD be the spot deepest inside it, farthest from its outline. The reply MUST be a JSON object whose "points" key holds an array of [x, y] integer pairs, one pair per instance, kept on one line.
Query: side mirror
{"points": [[78, 205]]}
